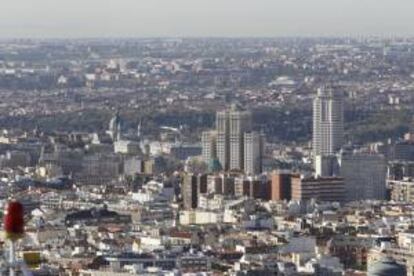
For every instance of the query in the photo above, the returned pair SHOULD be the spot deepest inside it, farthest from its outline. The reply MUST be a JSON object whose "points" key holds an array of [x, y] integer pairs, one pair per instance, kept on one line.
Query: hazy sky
{"points": [[133, 18]]}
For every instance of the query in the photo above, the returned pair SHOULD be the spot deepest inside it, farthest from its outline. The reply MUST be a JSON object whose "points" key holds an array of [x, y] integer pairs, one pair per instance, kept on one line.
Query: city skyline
{"points": [[214, 155], [185, 18]]}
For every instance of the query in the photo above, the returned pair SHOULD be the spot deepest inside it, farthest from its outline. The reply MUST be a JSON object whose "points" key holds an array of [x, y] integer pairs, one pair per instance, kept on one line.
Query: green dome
{"points": [[214, 165]]}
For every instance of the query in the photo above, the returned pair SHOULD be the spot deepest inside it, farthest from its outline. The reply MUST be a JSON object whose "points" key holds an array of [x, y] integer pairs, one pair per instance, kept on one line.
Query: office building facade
{"points": [[192, 186], [318, 188], [280, 186], [365, 175], [253, 151], [209, 145]]}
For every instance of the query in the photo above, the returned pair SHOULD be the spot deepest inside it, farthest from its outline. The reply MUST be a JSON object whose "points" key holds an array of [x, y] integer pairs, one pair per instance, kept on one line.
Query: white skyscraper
{"points": [[328, 121], [115, 127]]}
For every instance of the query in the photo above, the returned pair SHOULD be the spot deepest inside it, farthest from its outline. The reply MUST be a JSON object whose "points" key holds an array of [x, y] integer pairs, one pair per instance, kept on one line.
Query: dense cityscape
{"points": [[207, 156]]}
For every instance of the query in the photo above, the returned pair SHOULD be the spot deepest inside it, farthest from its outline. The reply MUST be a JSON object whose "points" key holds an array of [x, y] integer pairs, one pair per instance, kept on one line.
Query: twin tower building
{"points": [[233, 146]]}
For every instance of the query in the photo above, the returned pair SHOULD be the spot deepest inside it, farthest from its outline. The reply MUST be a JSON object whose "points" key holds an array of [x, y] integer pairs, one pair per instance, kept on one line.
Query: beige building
{"points": [[402, 190], [322, 188]]}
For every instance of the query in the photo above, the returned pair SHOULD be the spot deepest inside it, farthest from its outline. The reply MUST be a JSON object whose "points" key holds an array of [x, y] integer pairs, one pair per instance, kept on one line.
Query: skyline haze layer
{"points": [[200, 18]]}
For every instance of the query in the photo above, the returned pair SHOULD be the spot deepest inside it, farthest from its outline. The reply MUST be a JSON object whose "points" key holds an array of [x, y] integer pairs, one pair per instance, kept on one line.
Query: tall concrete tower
{"points": [[240, 123], [231, 126], [222, 139], [115, 126], [209, 147], [253, 152], [328, 121]]}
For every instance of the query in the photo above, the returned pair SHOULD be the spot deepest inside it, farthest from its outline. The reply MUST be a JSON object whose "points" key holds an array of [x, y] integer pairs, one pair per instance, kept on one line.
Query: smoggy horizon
{"points": [[205, 18]]}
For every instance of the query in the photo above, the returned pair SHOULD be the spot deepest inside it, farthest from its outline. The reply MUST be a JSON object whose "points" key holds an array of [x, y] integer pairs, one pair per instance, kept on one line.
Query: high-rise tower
{"points": [[231, 127], [328, 121], [222, 142], [233, 146], [240, 123], [253, 151], [115, 126], [209, 147]]}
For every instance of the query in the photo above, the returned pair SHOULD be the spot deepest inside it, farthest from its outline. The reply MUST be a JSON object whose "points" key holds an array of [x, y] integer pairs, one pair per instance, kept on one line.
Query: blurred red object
{"points": [[14, 220]]}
